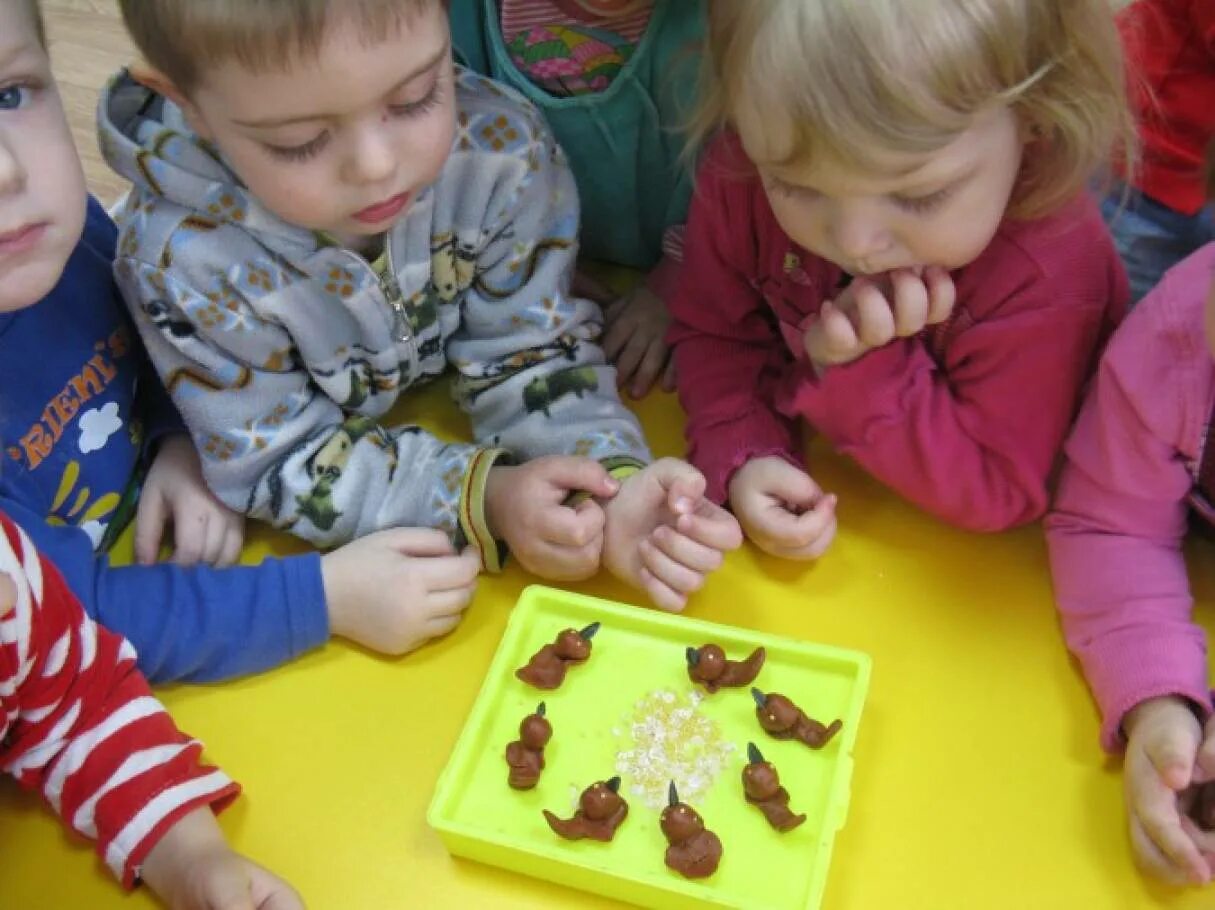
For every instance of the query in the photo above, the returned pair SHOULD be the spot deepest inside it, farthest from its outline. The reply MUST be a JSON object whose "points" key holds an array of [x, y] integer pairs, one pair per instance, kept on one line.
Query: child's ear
{"points": [[1029, 130], [151, 78]]}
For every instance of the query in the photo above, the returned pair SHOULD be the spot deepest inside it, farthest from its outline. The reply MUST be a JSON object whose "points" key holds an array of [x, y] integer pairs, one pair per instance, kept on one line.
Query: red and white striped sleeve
{"points": [[80, 724]]}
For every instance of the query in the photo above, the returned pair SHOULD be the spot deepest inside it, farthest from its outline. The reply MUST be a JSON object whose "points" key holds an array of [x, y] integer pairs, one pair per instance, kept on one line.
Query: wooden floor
{"points": [[88, 44]]}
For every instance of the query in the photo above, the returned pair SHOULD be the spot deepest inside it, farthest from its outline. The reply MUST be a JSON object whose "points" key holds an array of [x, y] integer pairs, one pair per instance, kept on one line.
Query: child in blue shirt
{"points": [[82, 414]]}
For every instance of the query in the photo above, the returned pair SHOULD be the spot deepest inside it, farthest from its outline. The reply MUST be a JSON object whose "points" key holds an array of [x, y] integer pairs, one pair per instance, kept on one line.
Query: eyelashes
{"points": [[409, 111], [921, 205], [916, 205]]}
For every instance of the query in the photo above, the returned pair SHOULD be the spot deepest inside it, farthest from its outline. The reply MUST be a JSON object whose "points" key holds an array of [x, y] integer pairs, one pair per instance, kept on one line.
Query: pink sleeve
{"points": [[728, 353], [85, 729], [1116, 530], [972, 442]]}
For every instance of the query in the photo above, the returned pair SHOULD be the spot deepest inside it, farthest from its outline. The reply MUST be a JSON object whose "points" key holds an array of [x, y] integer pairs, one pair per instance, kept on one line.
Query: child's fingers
{"points": [[874, 319], [1172, 757], [817, 529], [712, 526], [449, 573], [661, 594], [438, 626], [213, 545], [1165, 846], [189, 539], [650, 367], [685, 486], [669, 377], [1152, 860], [838, 334], [628, 361], [591, 288], [561, 563], [910, 303], [776, 527], [686, 551], [561, 526], [150, 517], [572, 472], [678, 578], [1206, 753], [442, 604], [411, 541], [229, 553], [941, 294], [617, 333]]}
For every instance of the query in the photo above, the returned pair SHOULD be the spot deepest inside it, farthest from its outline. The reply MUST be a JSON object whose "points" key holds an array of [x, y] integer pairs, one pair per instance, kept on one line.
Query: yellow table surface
{"points": [[978, 782]]}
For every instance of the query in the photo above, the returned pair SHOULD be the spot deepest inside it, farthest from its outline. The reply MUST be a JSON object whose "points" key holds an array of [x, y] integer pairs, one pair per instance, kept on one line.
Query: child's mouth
{"points": [[383, 211], [22, 239]]}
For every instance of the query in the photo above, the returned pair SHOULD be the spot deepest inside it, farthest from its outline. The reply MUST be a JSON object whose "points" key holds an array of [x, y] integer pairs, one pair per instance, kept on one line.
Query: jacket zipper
{"points": [[391, 289]]}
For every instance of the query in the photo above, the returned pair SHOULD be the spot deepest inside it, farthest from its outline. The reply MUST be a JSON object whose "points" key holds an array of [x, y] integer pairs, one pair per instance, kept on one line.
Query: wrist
{"points": [[191, 837], [335, 602], [497, 493], [1156, 707]]}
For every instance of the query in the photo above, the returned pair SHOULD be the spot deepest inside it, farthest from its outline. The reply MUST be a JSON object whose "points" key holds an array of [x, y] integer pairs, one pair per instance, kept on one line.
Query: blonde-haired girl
{"points": [[891, 240]]}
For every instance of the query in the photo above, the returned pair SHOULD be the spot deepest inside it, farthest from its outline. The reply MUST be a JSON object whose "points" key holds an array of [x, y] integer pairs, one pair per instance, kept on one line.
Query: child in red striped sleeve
{"points": [[78, 722]]}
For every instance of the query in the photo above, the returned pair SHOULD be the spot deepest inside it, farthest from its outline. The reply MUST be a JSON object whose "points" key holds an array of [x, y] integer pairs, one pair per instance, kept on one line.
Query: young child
{"points": [[341, 215], [891, 241], [615, 79], [73, 397], [1142, 453], [79, 723], [1162, 216]]}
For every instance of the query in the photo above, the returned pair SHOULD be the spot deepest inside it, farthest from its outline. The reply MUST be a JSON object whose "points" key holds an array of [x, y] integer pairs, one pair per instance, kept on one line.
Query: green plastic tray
{"points": [[636, 652]]}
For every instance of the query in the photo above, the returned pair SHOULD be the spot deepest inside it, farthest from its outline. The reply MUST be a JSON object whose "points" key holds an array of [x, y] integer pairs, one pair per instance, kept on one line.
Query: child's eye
{"points": [[299, 152], [921, 205], [13, 97], [417, 108]]}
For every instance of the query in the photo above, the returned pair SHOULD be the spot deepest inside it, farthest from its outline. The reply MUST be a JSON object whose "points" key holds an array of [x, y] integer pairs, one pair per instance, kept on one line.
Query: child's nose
{"points": [[374, 157], [12, 174], [859, 234]]}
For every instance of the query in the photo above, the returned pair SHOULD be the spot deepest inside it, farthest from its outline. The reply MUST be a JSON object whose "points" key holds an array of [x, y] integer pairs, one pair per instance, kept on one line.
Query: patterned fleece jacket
{"points": [[284, 352]]}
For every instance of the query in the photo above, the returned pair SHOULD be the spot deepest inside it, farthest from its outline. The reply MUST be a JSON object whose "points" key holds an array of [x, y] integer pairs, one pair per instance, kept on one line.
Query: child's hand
{"points": [[193, 868], [663, 536], [584, 284], [1162, 745], [636, 341], [782, 509], [204, 529], [525, 506], [396, 589], [870, 314]]}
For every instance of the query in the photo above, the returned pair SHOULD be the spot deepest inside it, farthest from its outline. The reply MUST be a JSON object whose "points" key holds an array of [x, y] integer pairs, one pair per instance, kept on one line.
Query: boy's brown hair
{"points": [[181, 38]]}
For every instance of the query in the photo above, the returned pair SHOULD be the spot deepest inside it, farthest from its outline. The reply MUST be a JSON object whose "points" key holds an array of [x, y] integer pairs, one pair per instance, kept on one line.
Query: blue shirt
{"points": [[79, 408]]}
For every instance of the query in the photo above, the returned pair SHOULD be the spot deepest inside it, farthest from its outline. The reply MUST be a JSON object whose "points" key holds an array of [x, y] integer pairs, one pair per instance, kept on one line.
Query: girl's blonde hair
{"points": [[848, 78]]}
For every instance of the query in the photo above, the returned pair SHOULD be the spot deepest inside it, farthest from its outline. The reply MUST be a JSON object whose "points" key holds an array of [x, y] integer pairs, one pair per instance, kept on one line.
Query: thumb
{"points": [[1172, 755], [684, 485], [1206, 754], [417, 541], [149, 527], [572, 472], [592, 513]]}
